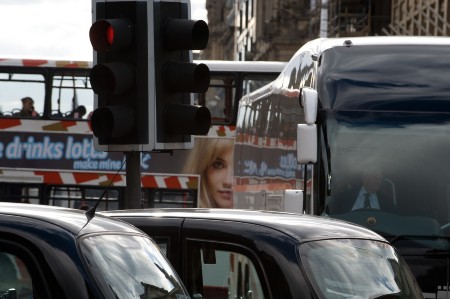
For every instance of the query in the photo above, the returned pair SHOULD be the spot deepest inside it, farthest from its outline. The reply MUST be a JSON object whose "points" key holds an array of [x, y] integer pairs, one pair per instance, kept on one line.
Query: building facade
{"points": [[276, 29]]}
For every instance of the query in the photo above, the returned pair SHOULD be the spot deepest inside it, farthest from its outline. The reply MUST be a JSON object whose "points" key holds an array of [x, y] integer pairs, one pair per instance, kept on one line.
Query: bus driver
{"points": [[369, 195]]}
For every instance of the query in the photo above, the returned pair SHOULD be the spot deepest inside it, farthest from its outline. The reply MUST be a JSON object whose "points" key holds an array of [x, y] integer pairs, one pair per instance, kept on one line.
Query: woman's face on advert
{"points": [[219, 174]]}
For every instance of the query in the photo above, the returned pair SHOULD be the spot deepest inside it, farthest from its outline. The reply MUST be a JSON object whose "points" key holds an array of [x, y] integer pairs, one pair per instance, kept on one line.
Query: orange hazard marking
{"points": [[9, 123], [34, 62], [72, 64], [50, 177], [172, 182], [85, 177], [222, 131], [59, 126], [112, 179], [69, 123], [149, 181], [193, 183]]}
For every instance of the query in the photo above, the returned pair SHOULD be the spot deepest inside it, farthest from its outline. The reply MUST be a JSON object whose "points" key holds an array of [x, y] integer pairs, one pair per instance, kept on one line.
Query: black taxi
{"points": [[49, 252], [220, 254]]}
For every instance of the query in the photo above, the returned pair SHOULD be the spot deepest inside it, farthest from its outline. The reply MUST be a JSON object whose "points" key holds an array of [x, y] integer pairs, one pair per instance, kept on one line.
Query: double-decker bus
{"points": [[49, 158], [343, 106]]}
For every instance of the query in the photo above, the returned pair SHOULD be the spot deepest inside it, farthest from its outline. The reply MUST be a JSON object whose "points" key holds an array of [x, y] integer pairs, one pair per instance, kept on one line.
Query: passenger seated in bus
{"points": [[27, 108], [79, 112], [371, 193]]}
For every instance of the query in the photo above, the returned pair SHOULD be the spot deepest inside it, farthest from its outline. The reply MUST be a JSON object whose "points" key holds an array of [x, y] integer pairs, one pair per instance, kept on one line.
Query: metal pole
{"points": [[323, 19], [133, 194]]}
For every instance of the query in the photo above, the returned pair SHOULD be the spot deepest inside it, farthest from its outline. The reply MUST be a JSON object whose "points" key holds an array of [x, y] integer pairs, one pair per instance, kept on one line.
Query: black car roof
{"points": [[302, 227], [70, 219]]}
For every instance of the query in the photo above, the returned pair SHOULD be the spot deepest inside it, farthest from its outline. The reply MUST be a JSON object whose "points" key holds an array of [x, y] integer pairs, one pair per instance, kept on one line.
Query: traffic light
{"points": [[120, 75], [176, 77]]}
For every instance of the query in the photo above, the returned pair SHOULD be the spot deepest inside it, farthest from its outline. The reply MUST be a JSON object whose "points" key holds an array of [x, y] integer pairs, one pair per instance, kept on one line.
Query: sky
{"points": [[53, 28]]}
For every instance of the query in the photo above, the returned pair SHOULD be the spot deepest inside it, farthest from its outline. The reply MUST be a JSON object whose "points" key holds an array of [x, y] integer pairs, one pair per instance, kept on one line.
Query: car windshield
{"points": [[347, 268], [131, 266]]}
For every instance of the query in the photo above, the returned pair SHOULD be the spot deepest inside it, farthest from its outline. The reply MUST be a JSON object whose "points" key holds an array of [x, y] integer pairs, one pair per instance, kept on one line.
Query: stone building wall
{"points": [[276, 29]]}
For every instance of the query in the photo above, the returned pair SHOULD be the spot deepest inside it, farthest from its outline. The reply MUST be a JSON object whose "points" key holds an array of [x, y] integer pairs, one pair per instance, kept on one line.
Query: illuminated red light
{"points": [[110, 35]]}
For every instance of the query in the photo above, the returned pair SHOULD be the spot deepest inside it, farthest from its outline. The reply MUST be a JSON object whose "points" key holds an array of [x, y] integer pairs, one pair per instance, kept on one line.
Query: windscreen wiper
{"points": [[394, 239]]}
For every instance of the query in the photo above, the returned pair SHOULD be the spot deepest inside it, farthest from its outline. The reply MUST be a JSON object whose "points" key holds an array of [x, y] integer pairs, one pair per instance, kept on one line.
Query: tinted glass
{"points": [[385, 77], [216, 272], [15, 279], [131, 267], [344, 268]]}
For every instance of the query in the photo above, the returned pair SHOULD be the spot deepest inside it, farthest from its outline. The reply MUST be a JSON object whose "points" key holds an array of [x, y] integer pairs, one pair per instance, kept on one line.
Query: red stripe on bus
{"points": [[149, 181], [85, 177], [72, 64], [69, 123], [9, 123], [192, 182], [172, 182], [34, 62], [114, 178], [50, 177]]}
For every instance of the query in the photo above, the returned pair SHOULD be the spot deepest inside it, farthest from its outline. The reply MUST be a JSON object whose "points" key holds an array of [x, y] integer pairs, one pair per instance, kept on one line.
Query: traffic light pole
{"points": [[133, 180]]}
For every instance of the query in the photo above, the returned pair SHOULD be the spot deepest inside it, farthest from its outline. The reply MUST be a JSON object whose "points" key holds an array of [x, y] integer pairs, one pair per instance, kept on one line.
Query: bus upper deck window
{"points": [[72, 95], [16, 90], [219, 99]]}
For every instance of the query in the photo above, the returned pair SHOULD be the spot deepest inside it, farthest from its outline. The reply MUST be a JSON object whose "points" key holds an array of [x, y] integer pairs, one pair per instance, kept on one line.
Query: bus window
{"points": [[166, 198], [219, 98], [69, 92], [225, 90], [252, 82], [15, 86], [26, 193], [83, 197], [110, 199]]}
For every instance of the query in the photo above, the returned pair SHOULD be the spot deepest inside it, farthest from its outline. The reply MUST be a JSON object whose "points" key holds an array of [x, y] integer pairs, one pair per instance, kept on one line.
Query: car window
{"points": [[131, 266], [15, 279], [347, 268], [221, 272], [163, 244]]}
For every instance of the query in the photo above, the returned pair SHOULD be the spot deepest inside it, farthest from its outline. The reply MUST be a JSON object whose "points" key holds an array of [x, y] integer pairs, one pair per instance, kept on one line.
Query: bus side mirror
{"points": [[307, 133], [306, 143], [309, 102], [293, 201]]}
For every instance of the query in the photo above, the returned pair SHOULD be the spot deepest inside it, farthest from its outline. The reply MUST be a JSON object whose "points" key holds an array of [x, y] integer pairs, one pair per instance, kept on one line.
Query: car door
{"points": [[218, 263], [218, 258]]}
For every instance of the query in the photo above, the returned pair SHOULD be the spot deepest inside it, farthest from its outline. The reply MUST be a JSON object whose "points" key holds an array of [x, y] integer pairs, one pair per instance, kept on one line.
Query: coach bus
{"points": [[47, 156], [345, 106]]}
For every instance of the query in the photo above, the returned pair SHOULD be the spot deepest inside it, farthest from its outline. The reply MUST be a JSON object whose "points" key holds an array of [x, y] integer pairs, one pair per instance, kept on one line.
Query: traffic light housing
{"points": [[176, 77], [120, 75], [143, 76]]}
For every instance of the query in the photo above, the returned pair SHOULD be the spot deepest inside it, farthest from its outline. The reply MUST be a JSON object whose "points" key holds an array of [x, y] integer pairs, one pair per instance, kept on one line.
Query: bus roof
{"points": [[254, 66], [319, 45], [45, 63], [214, 65]]}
